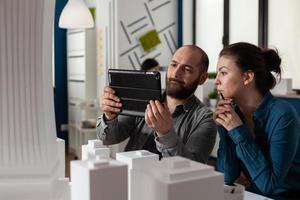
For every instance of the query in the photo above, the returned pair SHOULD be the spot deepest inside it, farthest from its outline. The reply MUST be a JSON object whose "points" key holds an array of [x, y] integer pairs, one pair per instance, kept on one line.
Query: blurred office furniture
{"points": [[81, 60], [283, 87]]}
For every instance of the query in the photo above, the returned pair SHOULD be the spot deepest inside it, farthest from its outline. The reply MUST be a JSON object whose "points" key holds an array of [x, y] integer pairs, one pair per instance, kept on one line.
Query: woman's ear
{"points": [[248, 77]]}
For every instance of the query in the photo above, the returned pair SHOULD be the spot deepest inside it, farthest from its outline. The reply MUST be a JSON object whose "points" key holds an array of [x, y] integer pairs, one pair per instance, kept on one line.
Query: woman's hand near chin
{"points": [[226, 116]]}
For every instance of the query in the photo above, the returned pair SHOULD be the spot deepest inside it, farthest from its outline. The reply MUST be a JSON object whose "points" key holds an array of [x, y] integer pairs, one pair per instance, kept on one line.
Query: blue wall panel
{"points": [[60, 90]]}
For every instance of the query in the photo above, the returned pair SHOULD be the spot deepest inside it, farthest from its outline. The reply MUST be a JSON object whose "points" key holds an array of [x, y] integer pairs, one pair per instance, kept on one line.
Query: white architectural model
{"points": [[135, 161], [29, 161], [235, 192], [98, 178], [173, 178], [93, 149]]}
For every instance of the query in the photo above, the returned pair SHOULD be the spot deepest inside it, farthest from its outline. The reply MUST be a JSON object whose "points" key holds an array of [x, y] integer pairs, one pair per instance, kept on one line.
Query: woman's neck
{"points": [[248, 102]]}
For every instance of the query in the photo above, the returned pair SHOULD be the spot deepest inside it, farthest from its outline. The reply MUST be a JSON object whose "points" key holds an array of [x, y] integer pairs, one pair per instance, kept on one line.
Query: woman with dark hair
{"points": [[259, 134]]}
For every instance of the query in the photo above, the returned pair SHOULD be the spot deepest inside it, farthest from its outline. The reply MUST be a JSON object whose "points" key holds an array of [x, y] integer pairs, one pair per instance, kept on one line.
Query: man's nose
{"points": [[178, 71]]}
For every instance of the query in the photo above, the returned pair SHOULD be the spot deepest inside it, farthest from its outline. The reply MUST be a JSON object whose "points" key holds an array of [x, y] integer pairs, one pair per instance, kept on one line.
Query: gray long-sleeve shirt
{"points": [[193, 134]]}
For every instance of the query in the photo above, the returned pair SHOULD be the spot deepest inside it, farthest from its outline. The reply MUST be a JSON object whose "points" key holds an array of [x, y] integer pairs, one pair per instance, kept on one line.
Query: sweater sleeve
{"points": [[116, 130]]}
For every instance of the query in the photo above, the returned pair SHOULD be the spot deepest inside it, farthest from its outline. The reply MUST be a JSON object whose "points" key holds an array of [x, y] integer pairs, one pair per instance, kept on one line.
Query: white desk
{"points": [[253, 196]]}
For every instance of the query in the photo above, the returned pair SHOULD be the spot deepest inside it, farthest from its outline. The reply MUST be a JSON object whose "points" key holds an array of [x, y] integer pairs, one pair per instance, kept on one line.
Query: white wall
{"points": [[284, 29], [284, 34], [243, 23], [209, 29], [187, 22]]}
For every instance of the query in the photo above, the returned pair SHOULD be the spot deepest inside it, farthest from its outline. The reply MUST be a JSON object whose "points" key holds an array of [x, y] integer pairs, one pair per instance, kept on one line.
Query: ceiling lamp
{"points": [[76, 15]]}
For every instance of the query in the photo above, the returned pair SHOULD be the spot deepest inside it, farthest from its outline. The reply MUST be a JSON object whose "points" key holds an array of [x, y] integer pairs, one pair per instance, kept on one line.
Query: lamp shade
{"points": [[76, 15]]}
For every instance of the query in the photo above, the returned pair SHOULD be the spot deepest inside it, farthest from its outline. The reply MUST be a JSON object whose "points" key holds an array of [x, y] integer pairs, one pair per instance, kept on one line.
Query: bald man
{"points": [[181, 125]]}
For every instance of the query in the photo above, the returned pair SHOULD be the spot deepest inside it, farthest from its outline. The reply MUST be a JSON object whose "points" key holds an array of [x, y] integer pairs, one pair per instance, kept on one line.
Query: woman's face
{"points": [[229, 80]]}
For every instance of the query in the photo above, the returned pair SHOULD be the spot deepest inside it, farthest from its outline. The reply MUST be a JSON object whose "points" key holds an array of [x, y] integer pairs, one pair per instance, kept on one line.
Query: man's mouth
{"points": [[177, 81]]}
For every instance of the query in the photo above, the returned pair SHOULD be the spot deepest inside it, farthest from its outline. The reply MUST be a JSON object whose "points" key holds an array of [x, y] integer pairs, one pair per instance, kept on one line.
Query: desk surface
{"points": [[253, 196]]}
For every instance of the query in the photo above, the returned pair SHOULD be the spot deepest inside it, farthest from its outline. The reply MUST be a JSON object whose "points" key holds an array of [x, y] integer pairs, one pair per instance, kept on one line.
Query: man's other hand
{"points": [[158, 117]]}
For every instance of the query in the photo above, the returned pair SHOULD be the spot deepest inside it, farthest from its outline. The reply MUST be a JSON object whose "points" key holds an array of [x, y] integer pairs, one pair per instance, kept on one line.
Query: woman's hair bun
{"points": [[272, 60]]}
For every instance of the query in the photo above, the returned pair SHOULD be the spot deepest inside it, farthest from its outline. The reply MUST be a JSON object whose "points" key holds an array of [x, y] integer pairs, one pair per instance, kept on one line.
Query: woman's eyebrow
{"points": [[223, 67]]}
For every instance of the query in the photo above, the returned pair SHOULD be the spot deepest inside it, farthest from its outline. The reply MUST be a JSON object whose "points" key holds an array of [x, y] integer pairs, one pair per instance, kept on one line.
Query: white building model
{"points": [[98, 178], [30, 165], [172, 178], [93, 149], [136, 161]]}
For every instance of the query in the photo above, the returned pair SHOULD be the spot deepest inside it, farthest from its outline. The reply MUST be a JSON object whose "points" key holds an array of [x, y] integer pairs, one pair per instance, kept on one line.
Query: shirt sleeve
{"points": [[199, 144], [116, 130], [227, 161], [267, 173]]}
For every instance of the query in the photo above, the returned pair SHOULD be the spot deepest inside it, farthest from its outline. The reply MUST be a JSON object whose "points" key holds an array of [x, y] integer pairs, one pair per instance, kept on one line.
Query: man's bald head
{"points": [[203, 61]]}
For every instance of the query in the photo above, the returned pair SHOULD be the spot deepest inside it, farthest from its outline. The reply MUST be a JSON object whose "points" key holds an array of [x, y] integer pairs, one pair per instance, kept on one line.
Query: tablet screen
{"points": [[135, 89]]}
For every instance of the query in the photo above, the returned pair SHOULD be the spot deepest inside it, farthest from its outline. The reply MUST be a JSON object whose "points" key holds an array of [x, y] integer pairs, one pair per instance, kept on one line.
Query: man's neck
{"points": [[173, 102]]}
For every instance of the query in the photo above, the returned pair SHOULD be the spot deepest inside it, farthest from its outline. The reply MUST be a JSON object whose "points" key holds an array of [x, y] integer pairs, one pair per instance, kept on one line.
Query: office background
{"points": [[206, 23]]}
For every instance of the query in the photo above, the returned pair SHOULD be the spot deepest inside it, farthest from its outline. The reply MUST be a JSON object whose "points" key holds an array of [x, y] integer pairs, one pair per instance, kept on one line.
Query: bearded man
{"points": [[181, 125]]}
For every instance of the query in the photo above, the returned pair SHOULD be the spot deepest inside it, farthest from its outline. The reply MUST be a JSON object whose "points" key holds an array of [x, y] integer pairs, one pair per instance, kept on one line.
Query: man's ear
{"points": [[248, 77], [203, 78]]}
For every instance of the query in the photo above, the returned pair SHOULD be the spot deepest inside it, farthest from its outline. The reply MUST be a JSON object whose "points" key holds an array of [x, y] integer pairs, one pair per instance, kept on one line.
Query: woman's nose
{"points": [[217, 81]]}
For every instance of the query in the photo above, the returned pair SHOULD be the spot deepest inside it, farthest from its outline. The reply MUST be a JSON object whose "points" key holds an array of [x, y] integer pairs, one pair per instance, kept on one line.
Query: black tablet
{"points": [[135, 89]]}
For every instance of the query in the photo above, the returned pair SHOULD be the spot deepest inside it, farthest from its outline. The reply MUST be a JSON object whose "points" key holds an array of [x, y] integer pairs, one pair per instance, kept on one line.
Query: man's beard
{"points": [[177, 90]]}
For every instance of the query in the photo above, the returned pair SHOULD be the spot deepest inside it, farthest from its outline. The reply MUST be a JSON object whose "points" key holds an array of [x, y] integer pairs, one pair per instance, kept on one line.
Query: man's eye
{"points": [[223, 73]]}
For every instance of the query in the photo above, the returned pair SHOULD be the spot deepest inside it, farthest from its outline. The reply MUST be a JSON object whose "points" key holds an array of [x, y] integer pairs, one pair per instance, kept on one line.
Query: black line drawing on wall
{"points": [[132, 24]]}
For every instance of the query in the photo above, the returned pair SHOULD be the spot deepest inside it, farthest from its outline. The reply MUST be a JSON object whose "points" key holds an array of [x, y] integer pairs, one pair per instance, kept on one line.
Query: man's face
{"points": [[183, 75]]}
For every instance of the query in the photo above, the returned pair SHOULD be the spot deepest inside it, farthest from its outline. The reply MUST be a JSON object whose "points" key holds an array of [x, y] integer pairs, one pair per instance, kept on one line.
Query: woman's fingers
{"points": [[223, 102]]}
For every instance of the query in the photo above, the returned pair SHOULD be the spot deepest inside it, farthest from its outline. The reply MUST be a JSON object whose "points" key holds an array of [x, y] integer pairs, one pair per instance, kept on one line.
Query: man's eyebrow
{"points": [[186, 65], [189, 66]]}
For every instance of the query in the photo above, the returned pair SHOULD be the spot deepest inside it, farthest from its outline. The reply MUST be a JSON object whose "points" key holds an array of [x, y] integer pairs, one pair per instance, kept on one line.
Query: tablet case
{"points": [[135, 89]]}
